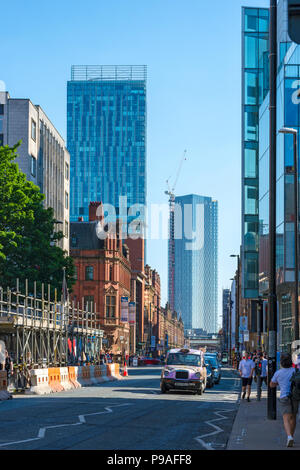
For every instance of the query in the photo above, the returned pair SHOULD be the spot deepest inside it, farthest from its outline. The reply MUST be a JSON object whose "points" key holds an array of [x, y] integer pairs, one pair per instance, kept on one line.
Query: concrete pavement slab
{"points": [[252, 430]]}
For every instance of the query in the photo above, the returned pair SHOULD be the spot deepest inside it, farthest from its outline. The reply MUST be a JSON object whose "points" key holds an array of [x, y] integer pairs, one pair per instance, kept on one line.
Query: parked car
{"points": [[184, 369], [210, 379], [215, 365], [147, 361]]}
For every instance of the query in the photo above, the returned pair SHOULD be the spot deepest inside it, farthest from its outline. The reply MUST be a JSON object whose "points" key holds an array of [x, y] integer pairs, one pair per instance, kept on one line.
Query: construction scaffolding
{"points": [[42, 332]]}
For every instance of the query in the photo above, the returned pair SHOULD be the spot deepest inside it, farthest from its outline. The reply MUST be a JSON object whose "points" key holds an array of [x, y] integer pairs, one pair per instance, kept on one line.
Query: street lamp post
{"points": [[230, 326], [237, 309], [272, 303], [294, 132]]}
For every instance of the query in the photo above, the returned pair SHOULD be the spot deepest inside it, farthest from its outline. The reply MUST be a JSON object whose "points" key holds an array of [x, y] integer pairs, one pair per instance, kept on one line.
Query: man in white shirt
{"points": [[246, 369], [289, 407]]}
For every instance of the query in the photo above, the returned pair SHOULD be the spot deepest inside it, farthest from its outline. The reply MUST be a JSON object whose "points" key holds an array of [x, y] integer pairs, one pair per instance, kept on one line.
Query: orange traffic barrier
{"points": [[55, 379], [73, 377], [117, 372], [109, 369]]}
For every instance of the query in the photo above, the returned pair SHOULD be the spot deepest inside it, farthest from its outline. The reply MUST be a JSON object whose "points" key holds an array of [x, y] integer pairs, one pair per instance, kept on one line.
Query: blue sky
{"points": [[193, 52]]}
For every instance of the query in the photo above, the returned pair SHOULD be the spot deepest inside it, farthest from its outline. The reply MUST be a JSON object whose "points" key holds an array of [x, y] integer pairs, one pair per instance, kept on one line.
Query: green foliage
{"points": [[28, 239]]}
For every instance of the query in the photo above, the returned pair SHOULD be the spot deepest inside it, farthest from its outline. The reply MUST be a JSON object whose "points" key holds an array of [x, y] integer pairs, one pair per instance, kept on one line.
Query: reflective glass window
{"points": [[251, 270], [251, 87], [250, 165], [251, 123], [251, 19], [251, 236], [251, 51], [280, 201], [289, 198], [263, 21], [251, 199], [289, 246], [264, 175]]}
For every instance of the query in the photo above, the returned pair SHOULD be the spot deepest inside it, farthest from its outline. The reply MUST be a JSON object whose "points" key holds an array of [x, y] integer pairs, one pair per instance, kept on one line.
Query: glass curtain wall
{"points": [[255, 82]]}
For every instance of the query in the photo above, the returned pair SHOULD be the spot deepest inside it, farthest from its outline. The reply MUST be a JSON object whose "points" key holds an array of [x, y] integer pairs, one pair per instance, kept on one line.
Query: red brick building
{"points": [[170, 330], [103, 273]]}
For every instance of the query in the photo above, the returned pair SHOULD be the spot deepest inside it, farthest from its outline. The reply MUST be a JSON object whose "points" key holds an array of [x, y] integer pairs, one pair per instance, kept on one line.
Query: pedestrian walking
{"points": [[246, 369], [289, 405], [261, 372]]}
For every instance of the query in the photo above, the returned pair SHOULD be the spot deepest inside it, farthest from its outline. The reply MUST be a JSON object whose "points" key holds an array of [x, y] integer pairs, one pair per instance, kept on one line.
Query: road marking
{"points": [[81, 418], [218, 430]]}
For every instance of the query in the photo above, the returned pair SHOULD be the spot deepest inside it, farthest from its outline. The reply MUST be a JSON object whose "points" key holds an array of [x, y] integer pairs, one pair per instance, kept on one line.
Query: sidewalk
{"points": [[253, 431]]}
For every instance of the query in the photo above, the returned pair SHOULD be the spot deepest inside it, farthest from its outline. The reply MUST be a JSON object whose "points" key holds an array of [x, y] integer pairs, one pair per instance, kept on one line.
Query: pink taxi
{"points": [[184, 369]]}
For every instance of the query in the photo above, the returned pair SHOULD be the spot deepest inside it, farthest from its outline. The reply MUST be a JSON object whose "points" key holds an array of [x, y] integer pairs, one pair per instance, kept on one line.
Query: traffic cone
{"points": [[125, 371]]}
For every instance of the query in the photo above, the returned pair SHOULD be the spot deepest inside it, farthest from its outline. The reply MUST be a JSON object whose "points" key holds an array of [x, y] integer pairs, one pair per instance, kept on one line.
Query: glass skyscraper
{"points": [[256, 164], [196, 262], [106, 136], [255, 85]]}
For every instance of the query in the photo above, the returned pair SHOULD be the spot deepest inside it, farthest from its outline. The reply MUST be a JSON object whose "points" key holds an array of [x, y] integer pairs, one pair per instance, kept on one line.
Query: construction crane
{"points": [[171, 248]]}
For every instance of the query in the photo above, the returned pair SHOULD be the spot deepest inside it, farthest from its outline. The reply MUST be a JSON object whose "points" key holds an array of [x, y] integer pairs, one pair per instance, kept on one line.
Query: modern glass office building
{"points": [[196, 262], [255, 84], [106, 136], [288, 115], [256, 236]]}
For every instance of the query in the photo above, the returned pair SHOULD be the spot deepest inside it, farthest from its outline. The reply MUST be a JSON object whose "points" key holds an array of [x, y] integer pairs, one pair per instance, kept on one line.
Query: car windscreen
{"points": [[211, 361], [184, 359]]}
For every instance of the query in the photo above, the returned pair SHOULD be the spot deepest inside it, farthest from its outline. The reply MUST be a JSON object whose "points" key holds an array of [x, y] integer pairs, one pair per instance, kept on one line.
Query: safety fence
{"points": [[58, 379], [40, 331]]}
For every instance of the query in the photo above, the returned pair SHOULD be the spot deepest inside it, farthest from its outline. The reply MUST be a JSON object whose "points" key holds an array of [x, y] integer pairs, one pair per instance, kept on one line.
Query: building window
{"points": [[89, 273], [75, 273], [67, 200], [74, 240], [110, 272], [33, 130], [66, 229], [89, 303], [110, 306], [1, 109], [67, 171], [33, 166], [1, 140]]}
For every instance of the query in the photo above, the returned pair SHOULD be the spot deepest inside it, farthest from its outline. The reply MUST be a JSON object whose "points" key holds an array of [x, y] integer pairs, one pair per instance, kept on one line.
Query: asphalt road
{"points": [[129, 414]]}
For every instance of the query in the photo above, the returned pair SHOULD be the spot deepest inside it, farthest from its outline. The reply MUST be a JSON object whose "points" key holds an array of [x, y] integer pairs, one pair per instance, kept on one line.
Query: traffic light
{"points": [[294, 20]]}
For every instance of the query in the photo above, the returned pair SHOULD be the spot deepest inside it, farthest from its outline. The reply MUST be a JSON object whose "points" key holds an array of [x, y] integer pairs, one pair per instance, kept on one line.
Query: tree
{"points": [[28, 241]]}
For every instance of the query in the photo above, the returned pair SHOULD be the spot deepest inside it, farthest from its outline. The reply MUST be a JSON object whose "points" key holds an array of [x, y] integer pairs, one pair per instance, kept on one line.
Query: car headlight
{"points": [[166, 373], [198, 375]]}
